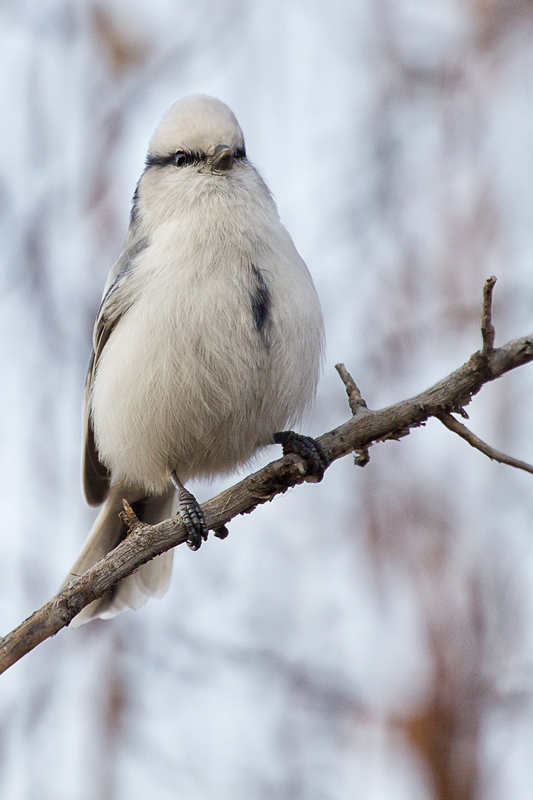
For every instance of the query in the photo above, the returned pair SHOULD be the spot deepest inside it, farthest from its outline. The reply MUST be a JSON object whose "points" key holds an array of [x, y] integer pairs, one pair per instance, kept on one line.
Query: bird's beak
{"points": [[222, 158]]}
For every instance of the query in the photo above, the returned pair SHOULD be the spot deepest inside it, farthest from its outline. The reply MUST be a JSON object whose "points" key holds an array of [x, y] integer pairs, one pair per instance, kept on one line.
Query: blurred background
{"points": [[370, 637]]}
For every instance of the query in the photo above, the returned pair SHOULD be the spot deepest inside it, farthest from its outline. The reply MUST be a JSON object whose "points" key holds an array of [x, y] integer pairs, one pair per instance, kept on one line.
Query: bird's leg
{"points": [[308, 448], [191, 514]]}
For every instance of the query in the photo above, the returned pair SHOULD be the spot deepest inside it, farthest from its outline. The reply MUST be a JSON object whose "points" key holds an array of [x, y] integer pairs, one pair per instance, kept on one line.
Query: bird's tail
{"points": [[150, 580]]}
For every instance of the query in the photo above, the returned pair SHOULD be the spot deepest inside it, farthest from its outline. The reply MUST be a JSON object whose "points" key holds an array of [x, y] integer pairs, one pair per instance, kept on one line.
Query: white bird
{"points": [[207, 344]]}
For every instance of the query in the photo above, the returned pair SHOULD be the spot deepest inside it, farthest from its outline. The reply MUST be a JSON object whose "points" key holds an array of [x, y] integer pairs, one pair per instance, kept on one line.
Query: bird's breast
{"points": [[209, 361]]}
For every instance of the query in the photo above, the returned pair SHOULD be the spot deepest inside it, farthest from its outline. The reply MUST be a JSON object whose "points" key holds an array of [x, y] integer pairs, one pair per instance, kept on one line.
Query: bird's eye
{"points": [[180, 159]]}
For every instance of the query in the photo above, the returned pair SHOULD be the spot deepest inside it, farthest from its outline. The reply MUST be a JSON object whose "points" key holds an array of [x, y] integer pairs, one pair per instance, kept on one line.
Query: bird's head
{"points": [[199, 132]]}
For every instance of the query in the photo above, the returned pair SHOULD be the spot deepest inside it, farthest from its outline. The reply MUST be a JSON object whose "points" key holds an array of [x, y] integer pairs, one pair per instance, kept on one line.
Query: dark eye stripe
{"points": [[188, 157], [192, 157], [159, 161]]}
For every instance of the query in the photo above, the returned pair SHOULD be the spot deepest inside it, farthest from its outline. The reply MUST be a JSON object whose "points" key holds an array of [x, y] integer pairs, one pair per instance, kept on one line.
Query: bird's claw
{"points": [[193, 519], [307, 448]]}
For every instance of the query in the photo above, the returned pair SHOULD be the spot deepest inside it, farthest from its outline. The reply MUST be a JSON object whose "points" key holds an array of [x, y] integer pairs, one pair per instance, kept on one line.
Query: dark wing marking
{"points": [[116, 302], [261, 304]]}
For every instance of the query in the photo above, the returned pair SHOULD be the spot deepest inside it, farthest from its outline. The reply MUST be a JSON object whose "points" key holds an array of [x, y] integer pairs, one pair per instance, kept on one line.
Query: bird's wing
{"points": [[118, 298]]}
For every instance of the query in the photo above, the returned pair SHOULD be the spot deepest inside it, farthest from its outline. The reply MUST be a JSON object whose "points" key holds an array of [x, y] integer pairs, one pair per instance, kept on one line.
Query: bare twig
{"points": [[487, 329], [357, 405], [461, 430], [128, 516], [147, 541], [355, 399]]}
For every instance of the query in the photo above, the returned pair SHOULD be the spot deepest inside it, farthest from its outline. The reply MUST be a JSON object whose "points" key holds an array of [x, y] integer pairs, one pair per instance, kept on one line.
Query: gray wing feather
{"points": [[115, 303]]}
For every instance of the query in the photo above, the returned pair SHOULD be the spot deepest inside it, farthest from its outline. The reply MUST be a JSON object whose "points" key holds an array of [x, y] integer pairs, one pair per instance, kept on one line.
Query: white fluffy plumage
{"points": [[208, 340]]}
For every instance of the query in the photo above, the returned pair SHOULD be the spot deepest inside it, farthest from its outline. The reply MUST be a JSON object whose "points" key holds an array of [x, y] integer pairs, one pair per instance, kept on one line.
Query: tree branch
{"points": [[357, 434], [357, 406], [495, 455], [487, 329], [355, 400]]}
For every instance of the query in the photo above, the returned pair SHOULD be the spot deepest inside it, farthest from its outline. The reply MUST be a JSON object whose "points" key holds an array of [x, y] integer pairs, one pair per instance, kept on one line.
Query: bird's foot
{"points": [[307, 448], [191, 514]]}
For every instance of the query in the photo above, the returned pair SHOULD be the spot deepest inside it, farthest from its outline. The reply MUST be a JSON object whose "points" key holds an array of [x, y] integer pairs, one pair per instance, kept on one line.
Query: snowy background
{"points": [[370, 637]]}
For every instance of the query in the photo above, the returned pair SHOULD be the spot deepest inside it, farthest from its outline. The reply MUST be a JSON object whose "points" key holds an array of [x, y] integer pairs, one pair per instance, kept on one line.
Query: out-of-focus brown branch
{"points": [[145, 542]]}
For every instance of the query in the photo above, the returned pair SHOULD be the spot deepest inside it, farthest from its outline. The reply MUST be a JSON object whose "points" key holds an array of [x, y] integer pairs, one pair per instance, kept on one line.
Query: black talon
{"points": [[193, 519], [308, 448], [191, 514]]}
